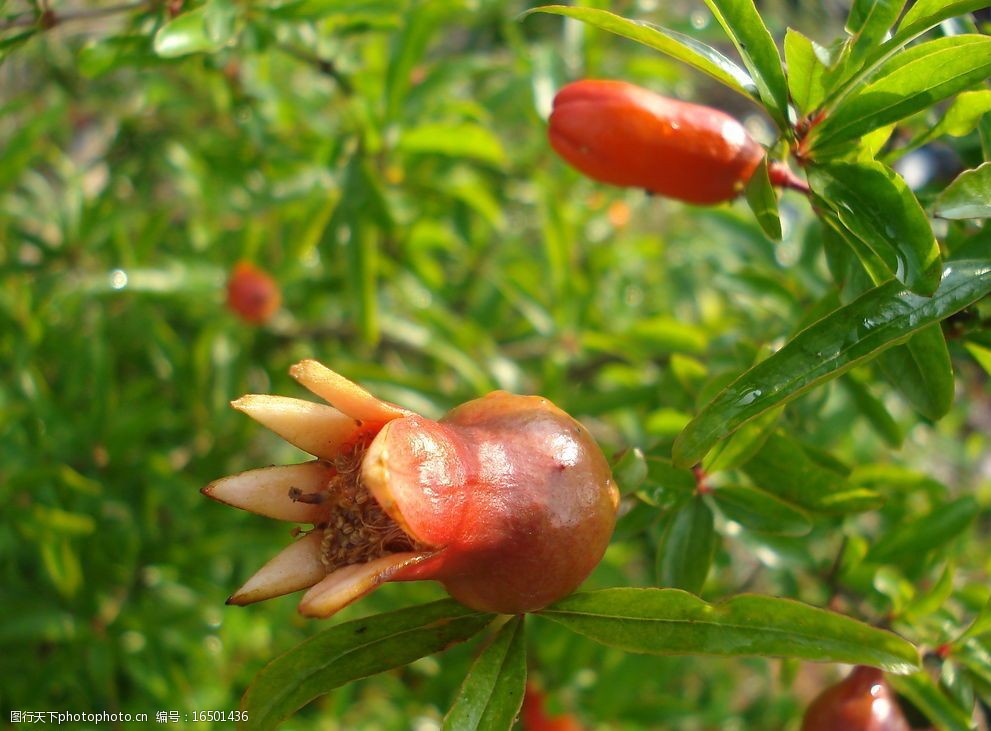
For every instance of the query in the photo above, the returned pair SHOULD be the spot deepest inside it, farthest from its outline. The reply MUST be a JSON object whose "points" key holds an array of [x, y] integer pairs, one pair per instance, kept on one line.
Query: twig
{"points": [[49, 18]]}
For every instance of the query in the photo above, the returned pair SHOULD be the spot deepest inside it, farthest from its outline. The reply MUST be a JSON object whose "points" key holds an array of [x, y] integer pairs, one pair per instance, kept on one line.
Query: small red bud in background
{"points": [[534, 717], [252, 294], [625, 135], [863, 701]]}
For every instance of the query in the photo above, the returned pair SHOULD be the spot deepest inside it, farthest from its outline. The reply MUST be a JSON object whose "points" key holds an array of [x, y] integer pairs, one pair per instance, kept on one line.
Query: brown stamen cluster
{"points": [[356, 529]]}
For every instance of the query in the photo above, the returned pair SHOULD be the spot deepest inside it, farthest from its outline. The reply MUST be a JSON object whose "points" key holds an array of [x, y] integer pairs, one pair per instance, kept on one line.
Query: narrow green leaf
{"points": [[185, 34], [760, 511], [744, 26], [908, 543], [933, 702], [354, 11], [492, 693], [355, 650], [12, 43], [673, 622], [921, 371], [968, 196], [964, 114], [785, 469], [906, 84], [763, 201], [743, 445], [879, 319], [981, 354], [926, 14], [874, 411], [685, 553], [876, 206], [806, 66], [681, 47], [933, 600], [661, 474], [981, 624], [465, 140]]}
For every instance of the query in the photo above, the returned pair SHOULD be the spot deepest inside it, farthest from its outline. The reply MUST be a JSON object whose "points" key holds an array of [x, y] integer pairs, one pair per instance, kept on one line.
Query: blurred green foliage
{"points": [[386, 161]]}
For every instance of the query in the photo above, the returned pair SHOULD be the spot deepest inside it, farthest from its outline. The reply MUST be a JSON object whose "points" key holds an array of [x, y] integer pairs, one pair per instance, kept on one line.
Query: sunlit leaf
{"points": [[673, 622], [968, 196], [763, 201], [806, 67], [681, 47]]}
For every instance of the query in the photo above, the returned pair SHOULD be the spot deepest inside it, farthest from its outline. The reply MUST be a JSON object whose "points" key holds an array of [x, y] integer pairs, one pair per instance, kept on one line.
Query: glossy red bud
{"points": [[622, 134], [863, 701]]}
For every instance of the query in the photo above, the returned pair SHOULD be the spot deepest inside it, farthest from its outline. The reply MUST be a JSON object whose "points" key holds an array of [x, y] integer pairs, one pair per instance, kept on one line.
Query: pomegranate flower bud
{"points": [[252, 293], [862, 701], [625, 135], [507, 500]]}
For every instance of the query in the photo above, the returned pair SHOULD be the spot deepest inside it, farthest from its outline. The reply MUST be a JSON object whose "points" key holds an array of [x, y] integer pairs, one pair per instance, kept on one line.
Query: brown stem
{"points": [[782, 176], [49, 18]]}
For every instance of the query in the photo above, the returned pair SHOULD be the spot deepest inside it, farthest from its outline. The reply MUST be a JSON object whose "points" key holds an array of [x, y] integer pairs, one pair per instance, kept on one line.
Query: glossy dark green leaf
{"points": [[926, 14], [877, 320], [874, 204], [968, 196], [760, 511], [355, 650], [630, 470], [785, 469], [665, 476], [874, 411], [806, 68], [685, 553], [742, 445], [681, 47], [673, 622], [492, 693], [906, 84], [763, 201], [925, 695], [921, 371], [745, 27], [908, 543]]}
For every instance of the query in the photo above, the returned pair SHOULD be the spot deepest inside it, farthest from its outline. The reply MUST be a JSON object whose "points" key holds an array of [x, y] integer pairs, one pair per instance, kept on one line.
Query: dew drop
{"points": [[118, 279], [699, 20]]}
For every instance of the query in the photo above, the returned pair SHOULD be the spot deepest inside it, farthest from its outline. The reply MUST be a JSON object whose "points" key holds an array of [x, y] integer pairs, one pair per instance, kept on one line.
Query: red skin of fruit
{"points": [[625, 135], [515, 491], [252, 294], [863, 701], [533, 716]]}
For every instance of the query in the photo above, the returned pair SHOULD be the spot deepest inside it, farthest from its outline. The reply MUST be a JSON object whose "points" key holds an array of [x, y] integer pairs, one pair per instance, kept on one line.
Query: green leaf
{"points": [[685, 553], [879, 319], [681, 47], [743, 445], [492, 692], [906, 84], [12, 43], [763, 201], [968, 196], [759, 511], [785, 469], [926, 14], [661, 474], [933, 702], [186, 34], [908, 543], [355, 650], [876, 206], [465, 140], [874, 411], [352, 11], [981, 624], [806, 66], [673, 622], [922, 372], [869, 21], [630, 470], [744, 26], [964, 114]]}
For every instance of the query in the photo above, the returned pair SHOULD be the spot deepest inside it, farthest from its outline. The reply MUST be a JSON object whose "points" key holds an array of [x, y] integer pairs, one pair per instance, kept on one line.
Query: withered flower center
{"points": [[356, 529]]}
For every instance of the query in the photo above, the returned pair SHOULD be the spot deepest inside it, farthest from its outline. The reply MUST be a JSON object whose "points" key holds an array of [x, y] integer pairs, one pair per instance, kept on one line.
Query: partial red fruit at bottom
{"points": [[863, 701], [623, 134]]}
